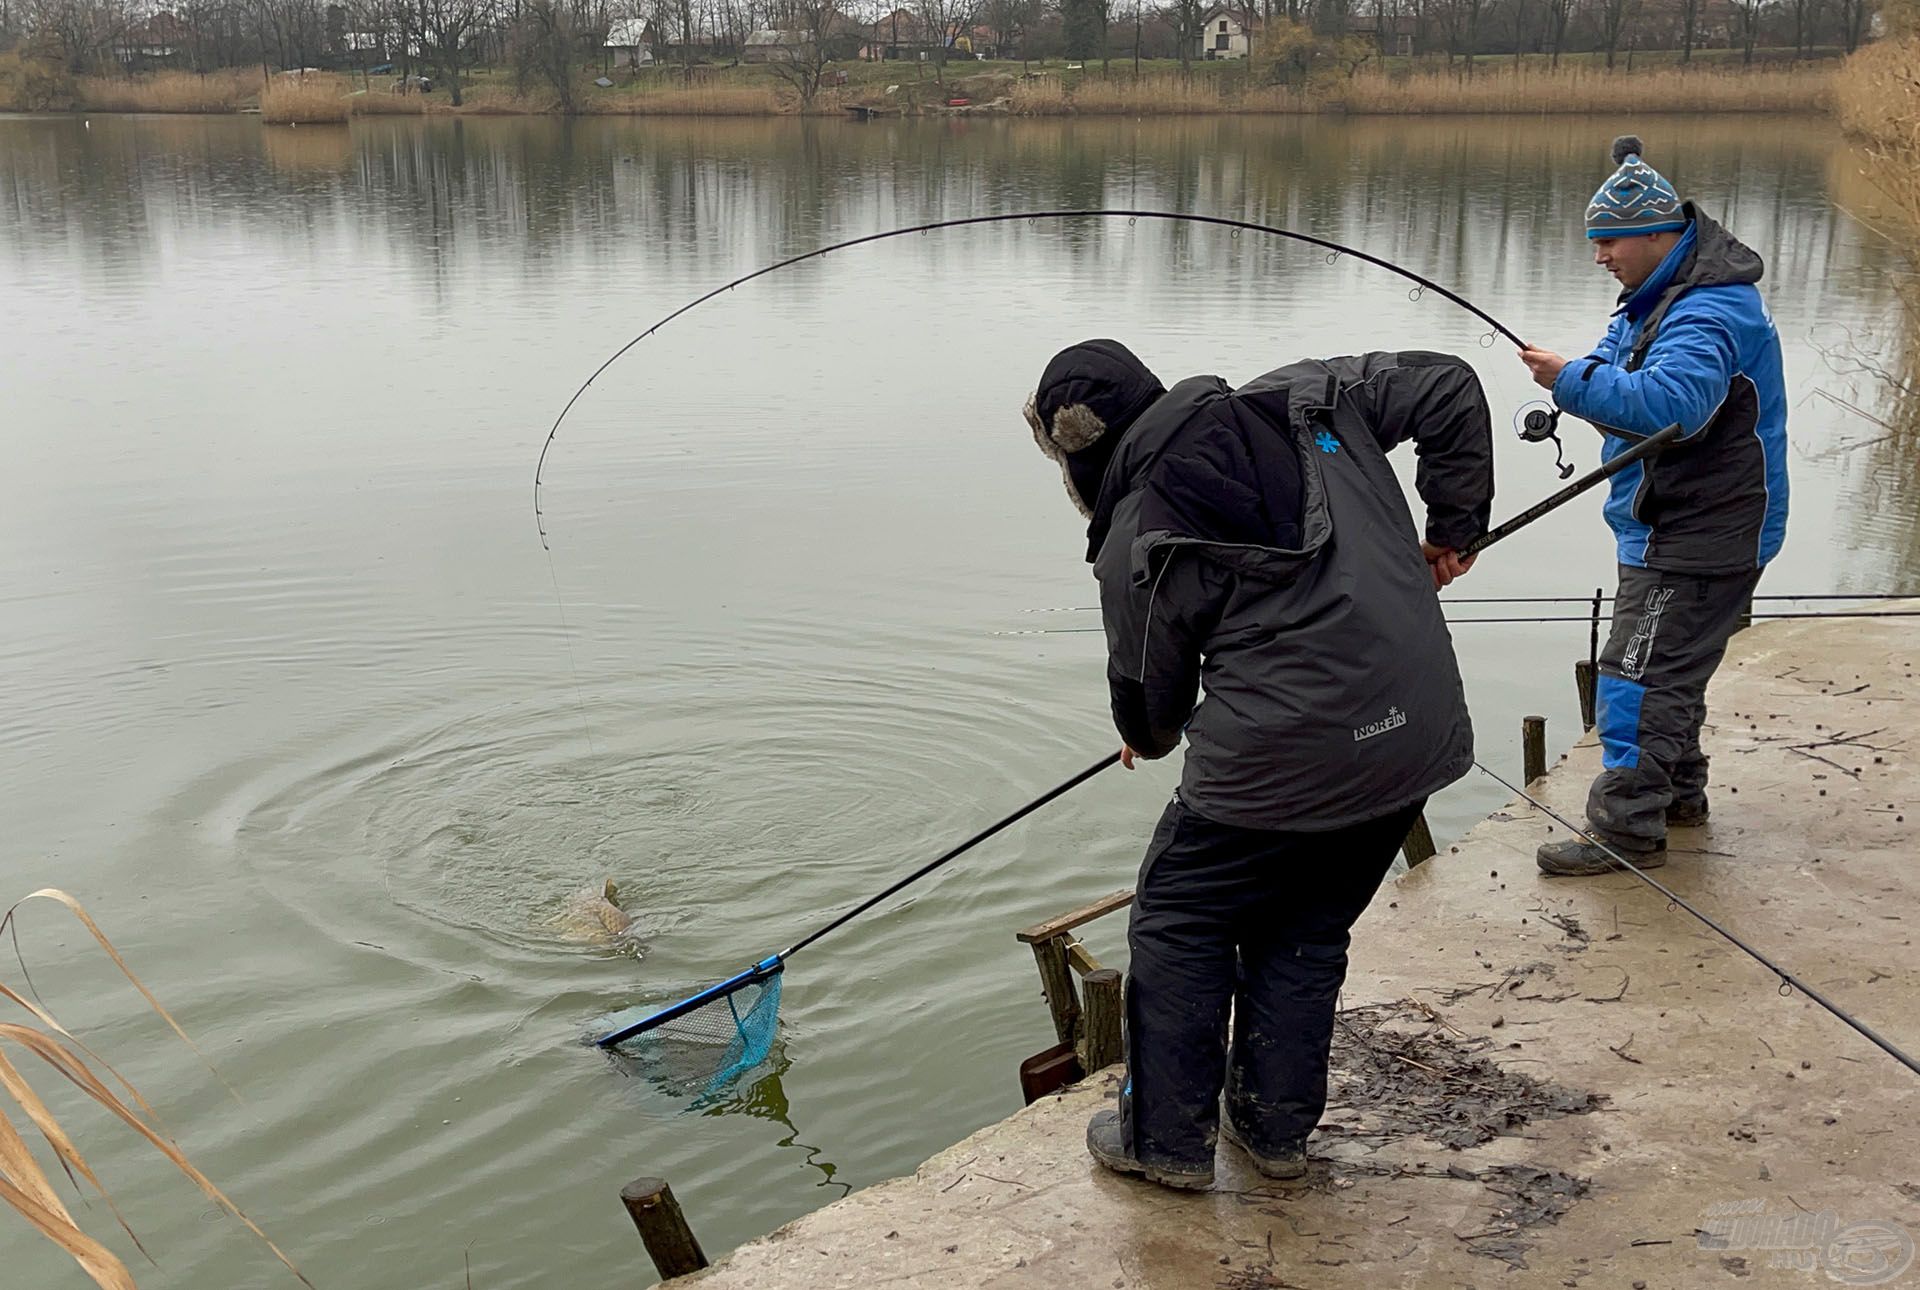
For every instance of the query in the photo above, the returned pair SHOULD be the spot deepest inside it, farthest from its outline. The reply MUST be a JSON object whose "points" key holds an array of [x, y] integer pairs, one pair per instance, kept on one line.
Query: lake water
{"points": [[293, 698]]}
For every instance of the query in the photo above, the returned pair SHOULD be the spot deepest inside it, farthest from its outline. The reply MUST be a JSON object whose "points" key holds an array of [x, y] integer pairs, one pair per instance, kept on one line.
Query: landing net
{"points": [[700, 1051]]}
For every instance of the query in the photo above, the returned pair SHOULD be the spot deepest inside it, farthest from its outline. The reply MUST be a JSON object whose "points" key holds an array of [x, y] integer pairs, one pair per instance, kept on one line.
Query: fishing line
{"points": [[1788, 981], [1552, 600], [1564, 618], [1337, 249]]}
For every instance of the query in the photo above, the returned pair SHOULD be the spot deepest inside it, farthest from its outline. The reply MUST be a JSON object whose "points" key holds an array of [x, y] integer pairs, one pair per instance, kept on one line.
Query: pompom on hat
{"points": [[1636, 199]]}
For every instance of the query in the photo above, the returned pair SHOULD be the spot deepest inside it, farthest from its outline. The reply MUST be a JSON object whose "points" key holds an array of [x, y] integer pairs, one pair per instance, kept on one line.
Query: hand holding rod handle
{"points": [[1647, 447]]}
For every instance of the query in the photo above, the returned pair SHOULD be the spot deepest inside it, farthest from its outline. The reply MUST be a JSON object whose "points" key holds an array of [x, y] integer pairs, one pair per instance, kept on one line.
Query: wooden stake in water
{"points": [[663, 1227]]}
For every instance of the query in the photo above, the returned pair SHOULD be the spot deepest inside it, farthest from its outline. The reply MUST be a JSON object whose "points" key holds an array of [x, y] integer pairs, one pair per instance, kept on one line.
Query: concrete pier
{"points": [[1537, 1082]]}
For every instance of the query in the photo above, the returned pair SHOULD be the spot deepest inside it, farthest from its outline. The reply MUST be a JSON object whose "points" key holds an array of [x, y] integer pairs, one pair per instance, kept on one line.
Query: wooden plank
{"points": [[1533, 746], [663, 1227], [1081, 959], [1048, 1072], [1067, 922], [1056, 983], [1099, 1045]]}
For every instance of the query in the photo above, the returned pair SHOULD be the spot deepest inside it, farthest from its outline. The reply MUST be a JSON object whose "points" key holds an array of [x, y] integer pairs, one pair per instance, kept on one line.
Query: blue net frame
{"points": [[703, 1050]]}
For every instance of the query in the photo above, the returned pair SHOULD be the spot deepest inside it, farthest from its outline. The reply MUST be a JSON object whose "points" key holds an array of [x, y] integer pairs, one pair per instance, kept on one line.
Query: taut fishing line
{"points": [[1788, 981]]}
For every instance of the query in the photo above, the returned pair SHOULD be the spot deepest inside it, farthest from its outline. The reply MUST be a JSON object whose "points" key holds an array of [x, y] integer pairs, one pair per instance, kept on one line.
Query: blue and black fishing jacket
{"points": [[1692, 345]]}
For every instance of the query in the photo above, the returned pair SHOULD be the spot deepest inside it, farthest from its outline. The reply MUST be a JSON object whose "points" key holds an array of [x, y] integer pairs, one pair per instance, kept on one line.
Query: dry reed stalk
{"points": [[691, 100], [24, 1185], [382, 102], [1503, 88], [221, 91], [317, 98]]}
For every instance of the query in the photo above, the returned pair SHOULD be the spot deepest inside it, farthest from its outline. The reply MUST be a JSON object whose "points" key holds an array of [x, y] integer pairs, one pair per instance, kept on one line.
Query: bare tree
{"points": [[1806, 14], [1854, 16], [1008, 20], [810, 33], [1749, 13], [446, 28], [1614, 16], [77, 32], [1559, 14], [1186, 18], [1689, 27], [544, 46], [942, 22]]}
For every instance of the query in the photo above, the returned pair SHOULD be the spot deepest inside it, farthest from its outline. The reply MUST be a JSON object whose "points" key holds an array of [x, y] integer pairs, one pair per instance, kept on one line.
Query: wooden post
{"points": [[1533, 743], [1056, 982], [663, 1227], [1100, 1031], [1419, 848], [1583, 680]]}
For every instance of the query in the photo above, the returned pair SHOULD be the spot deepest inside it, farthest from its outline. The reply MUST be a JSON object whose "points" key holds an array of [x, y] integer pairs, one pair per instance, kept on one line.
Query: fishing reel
{"points": [[1538, 422]]}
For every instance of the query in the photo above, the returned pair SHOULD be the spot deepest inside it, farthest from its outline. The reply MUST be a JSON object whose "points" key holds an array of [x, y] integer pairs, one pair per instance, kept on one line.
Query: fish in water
{"points": [[593, 914]]}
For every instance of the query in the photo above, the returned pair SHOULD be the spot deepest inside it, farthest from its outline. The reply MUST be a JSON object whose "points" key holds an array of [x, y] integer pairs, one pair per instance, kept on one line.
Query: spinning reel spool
{"points": [[1538, 422]]}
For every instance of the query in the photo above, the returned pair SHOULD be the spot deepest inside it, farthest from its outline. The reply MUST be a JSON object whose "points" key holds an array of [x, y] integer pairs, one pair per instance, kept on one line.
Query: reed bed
{"points": [[1497, 88], [227, 90], [39, 1043], [722, 99], [381, 102], [1877, 100], [314, 99], [1493, 88]]}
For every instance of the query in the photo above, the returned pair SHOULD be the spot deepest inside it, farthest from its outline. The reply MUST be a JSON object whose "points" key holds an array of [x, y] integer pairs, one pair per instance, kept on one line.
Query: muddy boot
{"points": [[1107, 1145], [1289, 1162], [1686, 815], [1578, 858]]}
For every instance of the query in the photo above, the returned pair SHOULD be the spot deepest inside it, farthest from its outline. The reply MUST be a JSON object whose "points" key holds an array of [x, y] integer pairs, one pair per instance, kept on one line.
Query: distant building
{"points": [[900, 34], [627, 42], [769, 46], [1390, 33], [1227, 33]]}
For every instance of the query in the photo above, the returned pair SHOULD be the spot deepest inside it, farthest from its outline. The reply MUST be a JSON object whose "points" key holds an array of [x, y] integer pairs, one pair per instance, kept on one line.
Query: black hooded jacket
{"points": [[1254, 544]]}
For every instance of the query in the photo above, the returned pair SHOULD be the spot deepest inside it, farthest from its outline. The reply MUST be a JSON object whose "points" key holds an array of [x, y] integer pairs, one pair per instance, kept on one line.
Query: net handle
{"points": [[972, 842]]}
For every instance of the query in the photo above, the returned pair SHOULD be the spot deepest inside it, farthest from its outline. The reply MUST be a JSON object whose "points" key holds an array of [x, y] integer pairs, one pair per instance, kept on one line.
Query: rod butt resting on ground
{"points": [[655, 1212], [1418, 848], [1583, 680]]}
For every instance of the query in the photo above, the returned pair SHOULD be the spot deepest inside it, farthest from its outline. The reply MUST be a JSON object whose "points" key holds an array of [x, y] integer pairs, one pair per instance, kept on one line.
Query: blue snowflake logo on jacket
{"points": [[1326, 442]]}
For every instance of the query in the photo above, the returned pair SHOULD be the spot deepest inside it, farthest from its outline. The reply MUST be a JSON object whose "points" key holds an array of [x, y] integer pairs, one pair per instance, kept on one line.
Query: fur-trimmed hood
{"points": [[1088, 396]]}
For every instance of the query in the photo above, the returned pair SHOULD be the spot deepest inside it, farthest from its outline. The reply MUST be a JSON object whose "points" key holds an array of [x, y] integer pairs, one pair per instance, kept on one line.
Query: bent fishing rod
{"points": [[1788, 981], [1537, 423]]}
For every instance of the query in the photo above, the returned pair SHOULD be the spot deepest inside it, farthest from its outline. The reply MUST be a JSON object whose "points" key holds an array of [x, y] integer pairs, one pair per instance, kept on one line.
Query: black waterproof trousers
{"points": [[1250, 924], [1670, 631]]}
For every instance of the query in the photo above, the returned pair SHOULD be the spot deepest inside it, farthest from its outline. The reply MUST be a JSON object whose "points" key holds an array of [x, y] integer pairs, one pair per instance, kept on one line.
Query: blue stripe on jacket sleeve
{"points": [[1619, 721]]}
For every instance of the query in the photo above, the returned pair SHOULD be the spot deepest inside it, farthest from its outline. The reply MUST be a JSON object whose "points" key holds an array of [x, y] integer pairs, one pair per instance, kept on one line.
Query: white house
{"points": [[627, 38], [1225, 33]]}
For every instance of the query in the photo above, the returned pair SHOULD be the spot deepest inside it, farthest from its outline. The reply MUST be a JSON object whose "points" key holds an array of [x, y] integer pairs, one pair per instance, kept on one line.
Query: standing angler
{"points": [[1691, 344], [1255, 544]]}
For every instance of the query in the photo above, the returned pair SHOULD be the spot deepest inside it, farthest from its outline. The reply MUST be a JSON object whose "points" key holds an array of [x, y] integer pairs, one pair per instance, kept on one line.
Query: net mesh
{"points": [[702, 1052]]}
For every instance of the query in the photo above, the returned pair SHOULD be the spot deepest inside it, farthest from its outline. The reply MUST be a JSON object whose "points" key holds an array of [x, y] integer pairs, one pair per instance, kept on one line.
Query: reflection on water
{"points": [[293, 698]]}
